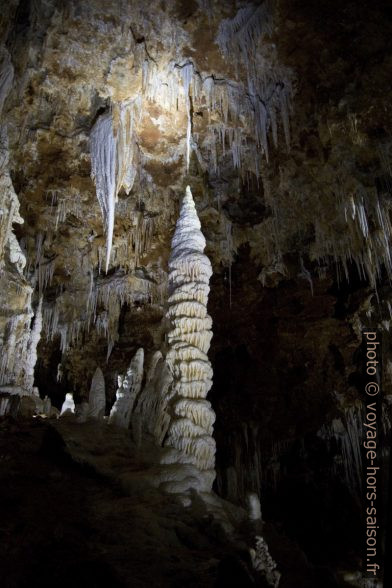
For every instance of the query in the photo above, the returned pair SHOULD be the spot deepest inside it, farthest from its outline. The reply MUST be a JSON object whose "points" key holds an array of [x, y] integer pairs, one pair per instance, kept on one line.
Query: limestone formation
{"points": [[97, 397], [16, 311], [81, 412], [150, 413], [35, 336], [264, 563], [129, 388], [189, 337], [68, 407], [253, 504], [112, 158]]}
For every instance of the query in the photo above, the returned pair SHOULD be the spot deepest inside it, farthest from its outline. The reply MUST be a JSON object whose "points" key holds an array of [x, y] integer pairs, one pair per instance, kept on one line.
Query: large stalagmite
{"points": [[189, 337]]}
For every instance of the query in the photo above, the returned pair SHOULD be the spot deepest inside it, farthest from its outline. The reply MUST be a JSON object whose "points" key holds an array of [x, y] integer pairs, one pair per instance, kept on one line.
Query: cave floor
{"points": [[63, 524], [68, 520]]}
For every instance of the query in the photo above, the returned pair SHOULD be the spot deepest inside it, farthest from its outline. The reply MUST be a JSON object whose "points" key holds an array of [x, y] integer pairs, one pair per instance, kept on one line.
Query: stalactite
{"points": [[239, 35], [269, 89], [306, 275], [113, 165], [347, 432], [364, 240], [64, 203], [103, 300], [186, 74], [103, 172], [142, 236], [45, 272], [126, 116]]}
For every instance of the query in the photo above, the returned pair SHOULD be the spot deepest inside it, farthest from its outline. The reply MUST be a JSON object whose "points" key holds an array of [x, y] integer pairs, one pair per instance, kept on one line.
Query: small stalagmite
{"points": [[97, 398], [128, 390], [68, 407]]}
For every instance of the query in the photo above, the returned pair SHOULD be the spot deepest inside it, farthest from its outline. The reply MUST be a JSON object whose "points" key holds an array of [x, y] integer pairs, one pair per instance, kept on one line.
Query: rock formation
{"points": [[128, 389], [253, 504], [16, 313], [82, 412], [68, 406], [97, 397], [35, 337], [150, 412], [263, 563], [189, 337]]}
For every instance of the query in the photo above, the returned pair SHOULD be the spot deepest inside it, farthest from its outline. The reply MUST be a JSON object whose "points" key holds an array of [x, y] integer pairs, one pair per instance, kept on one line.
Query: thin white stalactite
{"points": [[103, 172], [112, 148], [186, 75]]}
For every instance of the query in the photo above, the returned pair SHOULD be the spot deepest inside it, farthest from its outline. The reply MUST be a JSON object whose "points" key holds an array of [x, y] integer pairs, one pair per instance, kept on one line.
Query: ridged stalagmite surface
{"points": [[189, 338]]}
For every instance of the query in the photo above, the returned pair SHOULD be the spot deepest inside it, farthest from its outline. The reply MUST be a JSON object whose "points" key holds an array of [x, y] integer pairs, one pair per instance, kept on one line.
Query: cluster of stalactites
{"points": [[104, 298], [113, 159], [192, 418], [359, 233], [248, 106], [240, 109]]}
